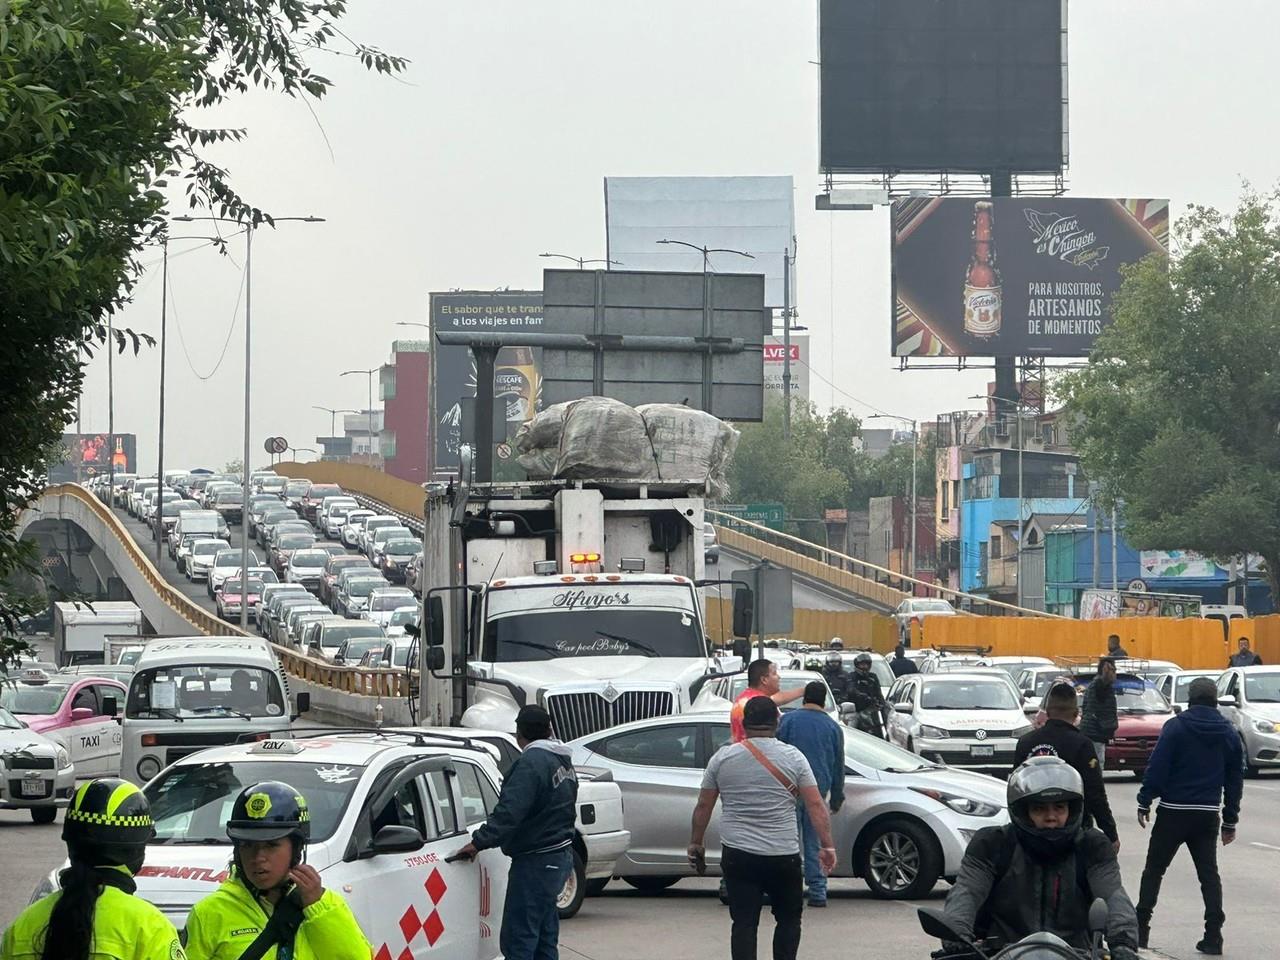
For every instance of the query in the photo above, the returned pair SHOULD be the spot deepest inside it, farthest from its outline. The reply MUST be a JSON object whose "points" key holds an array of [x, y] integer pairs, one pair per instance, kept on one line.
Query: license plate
{"points": [[34, 788], [982, 751]]}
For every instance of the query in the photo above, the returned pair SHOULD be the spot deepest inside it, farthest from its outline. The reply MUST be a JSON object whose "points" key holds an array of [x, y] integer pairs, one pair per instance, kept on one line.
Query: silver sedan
{"points": [[904, 825]]}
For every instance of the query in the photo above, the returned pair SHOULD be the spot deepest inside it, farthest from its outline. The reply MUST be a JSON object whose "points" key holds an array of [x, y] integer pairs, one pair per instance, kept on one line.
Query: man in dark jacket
{"points": [[533, 824], [1244, 657], [1196, 761], [1060, 738], [837, 679], [1114, 650], [1042, 871], [901, 664], [1098, 720]]}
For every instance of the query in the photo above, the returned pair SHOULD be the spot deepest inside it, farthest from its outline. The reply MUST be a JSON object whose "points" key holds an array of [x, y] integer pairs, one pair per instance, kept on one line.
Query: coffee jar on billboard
{"points": [[983, 290], [516, 383]]}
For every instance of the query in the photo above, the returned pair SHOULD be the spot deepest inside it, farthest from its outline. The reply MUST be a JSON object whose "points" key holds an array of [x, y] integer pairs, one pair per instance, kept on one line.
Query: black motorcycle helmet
{"points": [[1045, 780], [862, 660], [834, 661], [108, 823], [269, 810]]}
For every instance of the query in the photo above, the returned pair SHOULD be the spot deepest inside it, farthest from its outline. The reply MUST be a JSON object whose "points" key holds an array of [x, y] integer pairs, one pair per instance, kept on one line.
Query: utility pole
{"points": [[786, 346], [1115, 570], [164, 309]]}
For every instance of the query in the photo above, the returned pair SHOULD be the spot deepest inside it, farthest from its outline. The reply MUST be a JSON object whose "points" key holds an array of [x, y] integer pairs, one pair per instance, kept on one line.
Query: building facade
{"points": [[404, 385]]}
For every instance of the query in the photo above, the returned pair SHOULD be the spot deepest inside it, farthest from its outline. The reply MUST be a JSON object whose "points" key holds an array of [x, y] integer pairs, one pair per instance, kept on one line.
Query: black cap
{"points": [[760, 712], [533, 716]]}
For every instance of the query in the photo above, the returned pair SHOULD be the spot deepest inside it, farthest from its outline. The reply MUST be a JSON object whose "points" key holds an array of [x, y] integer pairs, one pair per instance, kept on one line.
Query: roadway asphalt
{"points": [[196, 591], [620, 924]]}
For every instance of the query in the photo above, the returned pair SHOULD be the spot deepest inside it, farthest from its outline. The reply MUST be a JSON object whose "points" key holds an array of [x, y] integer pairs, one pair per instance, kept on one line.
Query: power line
{"points": [[226, 343], [845, 393]]}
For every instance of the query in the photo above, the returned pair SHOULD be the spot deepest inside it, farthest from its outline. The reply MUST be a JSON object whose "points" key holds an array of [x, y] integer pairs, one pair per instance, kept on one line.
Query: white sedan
{"points": [[36, 774], [961, 719], [915, 610]]}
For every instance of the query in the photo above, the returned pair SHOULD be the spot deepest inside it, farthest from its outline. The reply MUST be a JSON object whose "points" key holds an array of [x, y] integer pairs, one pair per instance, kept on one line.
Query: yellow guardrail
{"points": [[384, 682], [859, 577], [402, 496]]}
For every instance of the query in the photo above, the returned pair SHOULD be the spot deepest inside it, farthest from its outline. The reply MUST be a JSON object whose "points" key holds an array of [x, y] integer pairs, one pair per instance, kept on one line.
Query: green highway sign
{"points": [[766, 514]]}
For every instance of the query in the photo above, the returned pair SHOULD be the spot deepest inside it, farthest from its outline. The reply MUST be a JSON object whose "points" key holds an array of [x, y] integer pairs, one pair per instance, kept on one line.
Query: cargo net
{"points": [[601, 437]]}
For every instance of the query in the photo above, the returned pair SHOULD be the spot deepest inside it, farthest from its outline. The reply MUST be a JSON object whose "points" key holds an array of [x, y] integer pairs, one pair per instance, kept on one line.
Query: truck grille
{"points": [[575, 715]]}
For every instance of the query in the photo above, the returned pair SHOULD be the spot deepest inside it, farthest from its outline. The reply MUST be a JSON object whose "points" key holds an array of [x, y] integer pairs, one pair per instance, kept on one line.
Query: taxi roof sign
{"points": [[277, 747], [34, 675]]}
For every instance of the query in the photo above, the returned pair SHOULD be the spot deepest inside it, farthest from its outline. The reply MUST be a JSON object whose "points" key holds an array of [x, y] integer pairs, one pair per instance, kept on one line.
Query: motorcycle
{"points": [[1037, 946]]}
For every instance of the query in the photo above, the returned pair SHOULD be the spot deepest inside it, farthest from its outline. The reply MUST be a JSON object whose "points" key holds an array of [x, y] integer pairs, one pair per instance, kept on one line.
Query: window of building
{"points": [[995, 547], [387, 444], [946, 498]]}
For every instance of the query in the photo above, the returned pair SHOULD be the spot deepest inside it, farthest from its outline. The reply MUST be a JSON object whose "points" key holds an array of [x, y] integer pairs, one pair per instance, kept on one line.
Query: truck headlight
{"points": [[148, 767], [933, 733]]}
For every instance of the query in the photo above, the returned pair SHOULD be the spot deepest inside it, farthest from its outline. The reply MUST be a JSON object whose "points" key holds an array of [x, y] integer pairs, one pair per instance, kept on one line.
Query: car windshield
{"points": [[175, 507], [333, 636], [384, 534], [1182, 686], [293, 541], [967, 695], [1262, 687], [277, 514], [359, 647], [36, 699], [362, 588], [205, 690], [296, 488], [356, 518], [309, 558], [402, 616], [233, 586], [1137, 696], [592, 620], [390, 601], [233, 558], [230, 496], [204, 549], [1013, 668], [873, 752], [273, 483], [789, 682], [343, 562], [8, 721], [191, 803], [1047, 679], [931, 606], [319, 491]]}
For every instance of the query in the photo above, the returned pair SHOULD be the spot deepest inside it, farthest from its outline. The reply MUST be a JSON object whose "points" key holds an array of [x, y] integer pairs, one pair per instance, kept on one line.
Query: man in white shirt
{"points": [[759, 782]]}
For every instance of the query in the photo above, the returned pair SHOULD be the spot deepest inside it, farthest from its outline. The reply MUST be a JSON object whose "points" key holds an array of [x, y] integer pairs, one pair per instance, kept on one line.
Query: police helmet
{"points": [[269, 810], [109, 814], [834, 659], [1046, 780], [862, 660], [837, 643]]}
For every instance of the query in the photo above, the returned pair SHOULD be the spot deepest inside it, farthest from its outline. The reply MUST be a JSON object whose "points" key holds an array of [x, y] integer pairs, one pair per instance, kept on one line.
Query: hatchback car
{"points": [[396, 556], [968, 720], [38, 775], [352, 524], [73, 710], [384, 600], [195, 557], [904, 825], [1250, 698], [231, 596], [1177, 685], [710, 543], [226, 563], [285, 545], [915, 610], [353, 597], [307, 568], [378, 538]]}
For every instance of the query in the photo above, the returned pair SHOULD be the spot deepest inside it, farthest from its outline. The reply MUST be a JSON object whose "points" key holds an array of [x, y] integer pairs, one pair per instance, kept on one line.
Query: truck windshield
{"points": [[592, 620], [204, 690]]}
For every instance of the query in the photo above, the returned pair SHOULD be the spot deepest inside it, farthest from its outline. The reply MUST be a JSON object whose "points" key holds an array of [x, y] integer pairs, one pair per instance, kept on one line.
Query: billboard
{"points": [[637, 318], [926, 85], [1013, 276], [774, 366], [753, 214], [517, 376], [86, 455]]}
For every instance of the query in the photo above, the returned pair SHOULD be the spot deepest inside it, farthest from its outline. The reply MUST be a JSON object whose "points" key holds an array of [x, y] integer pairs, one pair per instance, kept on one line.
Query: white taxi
{"points": [[73, 710], [36, 774], [386, 810], [970, 720]]}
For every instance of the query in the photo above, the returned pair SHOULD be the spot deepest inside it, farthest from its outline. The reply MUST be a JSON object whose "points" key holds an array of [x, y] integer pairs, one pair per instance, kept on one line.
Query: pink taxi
{"points": [[71, 710]]}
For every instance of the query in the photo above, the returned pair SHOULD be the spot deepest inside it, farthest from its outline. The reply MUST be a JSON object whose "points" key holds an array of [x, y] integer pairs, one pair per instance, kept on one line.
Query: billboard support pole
{"points": [[786, 346], [486, 359]]}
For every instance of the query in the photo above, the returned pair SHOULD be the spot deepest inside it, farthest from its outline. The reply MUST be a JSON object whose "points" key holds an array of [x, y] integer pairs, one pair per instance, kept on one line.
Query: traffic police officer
{"points": [[94, 914], [273, 905]]}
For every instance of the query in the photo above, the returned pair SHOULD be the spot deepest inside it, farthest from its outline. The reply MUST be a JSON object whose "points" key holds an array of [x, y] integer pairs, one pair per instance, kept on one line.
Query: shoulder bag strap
{"points": [[777, 774]]}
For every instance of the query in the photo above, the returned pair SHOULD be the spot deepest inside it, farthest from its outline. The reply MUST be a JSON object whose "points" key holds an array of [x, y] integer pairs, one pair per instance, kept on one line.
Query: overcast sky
{"points": [[493, 146]]}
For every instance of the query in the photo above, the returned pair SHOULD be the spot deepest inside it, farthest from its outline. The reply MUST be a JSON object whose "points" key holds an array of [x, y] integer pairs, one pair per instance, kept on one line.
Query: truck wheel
{"points": [[574, 890], [596, 887], [900, 860], [651, 884], [44, 814]]}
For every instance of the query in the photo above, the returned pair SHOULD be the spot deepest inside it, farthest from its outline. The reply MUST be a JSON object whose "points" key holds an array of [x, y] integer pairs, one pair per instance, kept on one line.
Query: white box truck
{"points": [[80, 630], [580, 596]]}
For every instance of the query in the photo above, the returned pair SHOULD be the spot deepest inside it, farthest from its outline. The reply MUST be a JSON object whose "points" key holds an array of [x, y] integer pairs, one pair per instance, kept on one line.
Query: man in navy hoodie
{"points": [[533, 824], [1197, 759]]}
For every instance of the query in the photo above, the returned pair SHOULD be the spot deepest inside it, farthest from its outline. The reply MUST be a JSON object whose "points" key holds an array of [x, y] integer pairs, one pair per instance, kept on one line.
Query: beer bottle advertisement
{"points": [[1014, 276]]}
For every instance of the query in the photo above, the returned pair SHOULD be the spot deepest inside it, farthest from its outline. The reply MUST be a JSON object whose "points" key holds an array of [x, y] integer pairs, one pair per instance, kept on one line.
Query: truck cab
{"points": [[580, 596]]}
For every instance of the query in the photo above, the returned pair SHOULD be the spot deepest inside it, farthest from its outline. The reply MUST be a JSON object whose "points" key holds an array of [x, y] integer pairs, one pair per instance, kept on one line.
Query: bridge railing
{"points": [[877, 584]]}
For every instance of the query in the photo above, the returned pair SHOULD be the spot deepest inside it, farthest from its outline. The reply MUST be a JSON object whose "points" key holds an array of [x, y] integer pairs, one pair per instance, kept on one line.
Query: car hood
{"points": [[598, 671], [1263, 711], [38, 723], [961, 720], [976, 785], [1142, 724], [16, 740]]}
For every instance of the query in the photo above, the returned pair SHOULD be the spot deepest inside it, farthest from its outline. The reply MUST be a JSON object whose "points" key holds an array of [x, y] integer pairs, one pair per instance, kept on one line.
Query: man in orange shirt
{"points": [[762, 681]]}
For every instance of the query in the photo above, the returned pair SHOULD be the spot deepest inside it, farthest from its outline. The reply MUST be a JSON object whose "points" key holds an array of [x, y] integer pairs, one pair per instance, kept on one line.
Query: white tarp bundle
{"points": [[601, 438]]}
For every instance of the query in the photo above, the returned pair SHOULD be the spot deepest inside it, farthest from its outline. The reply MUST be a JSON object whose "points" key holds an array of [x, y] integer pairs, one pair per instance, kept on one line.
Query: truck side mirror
{"points": [[435, 621], [304, 701], [109, 706], [743, 611], [435, 658]]}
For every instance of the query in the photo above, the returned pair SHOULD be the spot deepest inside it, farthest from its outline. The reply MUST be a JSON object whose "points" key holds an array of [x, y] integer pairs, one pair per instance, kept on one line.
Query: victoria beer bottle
{"points": [[982, 284]]}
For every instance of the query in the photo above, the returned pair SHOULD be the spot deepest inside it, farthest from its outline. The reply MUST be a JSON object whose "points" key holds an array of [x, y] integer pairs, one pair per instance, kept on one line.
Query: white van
{"points": [[189, 693], [196, 523]]}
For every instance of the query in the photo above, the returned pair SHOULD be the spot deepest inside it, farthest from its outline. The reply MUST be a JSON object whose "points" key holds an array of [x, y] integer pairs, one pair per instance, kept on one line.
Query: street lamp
{"points": [[707, 251], [1018, 407], [333, 415], [294, 451], [369, 373], [915, 445], [580, 261], [249, 229]]}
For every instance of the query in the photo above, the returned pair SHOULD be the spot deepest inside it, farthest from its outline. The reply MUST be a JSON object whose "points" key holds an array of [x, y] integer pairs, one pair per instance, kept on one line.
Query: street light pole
{"points": [[294, 451], [333, 416], [369, 409], [707, 251], [1017, 408], [250, 228], [579, 260]]}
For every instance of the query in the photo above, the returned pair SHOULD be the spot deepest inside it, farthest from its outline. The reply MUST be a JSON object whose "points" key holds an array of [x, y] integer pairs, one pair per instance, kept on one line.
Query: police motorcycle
{"points": [[1037, 946]]}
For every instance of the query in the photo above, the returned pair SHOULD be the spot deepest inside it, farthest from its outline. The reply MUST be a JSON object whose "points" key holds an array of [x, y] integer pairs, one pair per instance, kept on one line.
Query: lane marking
{"points": [[1264, 846]]}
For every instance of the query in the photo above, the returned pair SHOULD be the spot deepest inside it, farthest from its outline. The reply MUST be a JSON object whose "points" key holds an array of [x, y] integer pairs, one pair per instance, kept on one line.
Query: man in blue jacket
{"points": [[812, 731], [533, 824], [1197, 759]]}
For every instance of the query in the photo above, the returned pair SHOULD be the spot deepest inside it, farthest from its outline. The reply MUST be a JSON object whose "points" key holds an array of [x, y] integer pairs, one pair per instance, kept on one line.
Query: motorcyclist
{"points": [[1042, 871], [836, 644], [865, 694], [833, 672]]}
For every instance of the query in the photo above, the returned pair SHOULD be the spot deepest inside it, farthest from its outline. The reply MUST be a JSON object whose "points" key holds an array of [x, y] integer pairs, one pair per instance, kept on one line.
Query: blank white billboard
{"points": [[752, 214]]}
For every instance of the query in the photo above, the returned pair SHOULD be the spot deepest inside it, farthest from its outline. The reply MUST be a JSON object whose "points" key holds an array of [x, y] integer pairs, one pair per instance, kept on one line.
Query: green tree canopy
{"points": [[1178, 412]]}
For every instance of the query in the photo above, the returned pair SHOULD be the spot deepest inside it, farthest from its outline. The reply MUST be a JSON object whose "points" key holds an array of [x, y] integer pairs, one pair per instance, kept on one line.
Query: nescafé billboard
{"points": [[1013, 276]]}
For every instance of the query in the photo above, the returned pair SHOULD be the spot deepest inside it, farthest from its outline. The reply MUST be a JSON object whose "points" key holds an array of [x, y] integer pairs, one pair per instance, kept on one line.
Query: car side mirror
{"points": [[109, 706], [1227, 700], [902, 707], [1031, 709], [80, 713], [435, 621], [848, 710], [435, 658], [394, 838]]}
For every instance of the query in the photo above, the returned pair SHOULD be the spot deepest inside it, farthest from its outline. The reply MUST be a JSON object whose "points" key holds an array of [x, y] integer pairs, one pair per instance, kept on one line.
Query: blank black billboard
{"points": [[924, 85]]}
